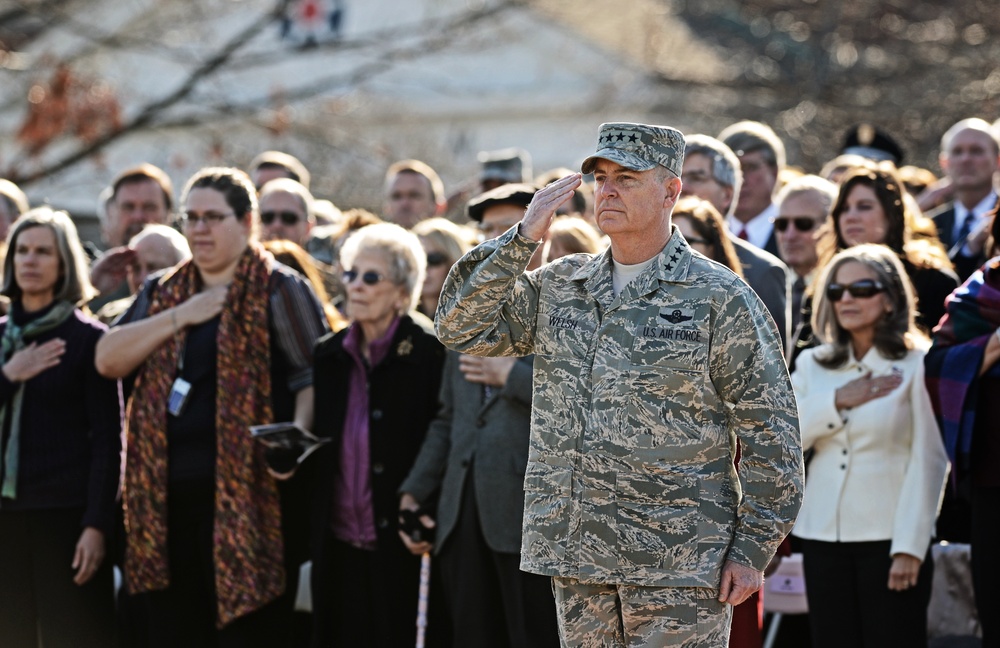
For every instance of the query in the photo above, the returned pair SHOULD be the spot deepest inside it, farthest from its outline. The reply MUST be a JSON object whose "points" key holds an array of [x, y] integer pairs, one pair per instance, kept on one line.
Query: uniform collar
{"points": [[671, 265]]}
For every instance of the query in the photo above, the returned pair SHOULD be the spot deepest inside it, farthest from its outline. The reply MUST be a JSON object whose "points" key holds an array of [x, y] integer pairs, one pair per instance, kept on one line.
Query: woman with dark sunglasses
{"points": [[445, 243], [878, 468], [377, 384]]}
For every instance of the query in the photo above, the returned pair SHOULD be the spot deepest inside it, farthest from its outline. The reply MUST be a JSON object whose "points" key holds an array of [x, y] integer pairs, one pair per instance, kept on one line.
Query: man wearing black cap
{"points": [[651, 362]]}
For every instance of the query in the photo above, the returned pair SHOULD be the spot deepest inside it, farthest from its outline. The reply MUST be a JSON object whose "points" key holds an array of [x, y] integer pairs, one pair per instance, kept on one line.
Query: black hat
{"points": [[519, 194], [873, 143]]}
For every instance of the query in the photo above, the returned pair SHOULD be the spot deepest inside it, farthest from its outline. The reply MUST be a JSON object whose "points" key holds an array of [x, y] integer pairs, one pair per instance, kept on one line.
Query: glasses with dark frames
{"points": [[369, 278], [801, 223], [210, 218], [287, 217], [859, 289]]}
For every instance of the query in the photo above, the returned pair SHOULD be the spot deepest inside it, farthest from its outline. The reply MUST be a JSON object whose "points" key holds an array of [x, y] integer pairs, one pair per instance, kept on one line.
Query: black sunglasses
{"points": [[859, 289], [370, 278], [436, 259], [287, 217], [801, 223]]}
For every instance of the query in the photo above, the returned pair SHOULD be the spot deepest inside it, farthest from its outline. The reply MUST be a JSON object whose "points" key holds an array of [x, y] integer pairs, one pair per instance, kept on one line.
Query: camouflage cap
{"points": [[639, 147]]}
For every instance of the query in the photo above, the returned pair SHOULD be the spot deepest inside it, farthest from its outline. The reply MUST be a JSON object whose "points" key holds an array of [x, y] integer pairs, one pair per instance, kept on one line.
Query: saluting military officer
{"points": [[650, 363]]}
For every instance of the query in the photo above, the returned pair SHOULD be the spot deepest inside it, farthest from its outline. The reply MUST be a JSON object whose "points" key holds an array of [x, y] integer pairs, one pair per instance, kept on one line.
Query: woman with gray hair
{"points": [[377, 387], [878, 469], [60, 464]]}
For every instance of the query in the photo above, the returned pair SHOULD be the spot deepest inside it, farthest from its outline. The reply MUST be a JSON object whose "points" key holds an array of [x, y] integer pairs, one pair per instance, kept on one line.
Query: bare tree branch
{"points": [[439, 36], [151, 110]]}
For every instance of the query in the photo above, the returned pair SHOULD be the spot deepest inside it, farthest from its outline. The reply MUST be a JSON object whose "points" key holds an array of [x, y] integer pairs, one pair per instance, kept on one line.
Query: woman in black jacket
{"points": [[377, 388], [61, 442]]}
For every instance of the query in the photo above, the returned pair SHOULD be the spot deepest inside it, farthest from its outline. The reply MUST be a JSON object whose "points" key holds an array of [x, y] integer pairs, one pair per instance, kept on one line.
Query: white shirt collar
{"points": [[758, 228]]}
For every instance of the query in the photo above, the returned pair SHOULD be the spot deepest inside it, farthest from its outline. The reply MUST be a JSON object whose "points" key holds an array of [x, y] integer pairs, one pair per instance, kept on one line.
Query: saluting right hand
{"points": [[544, 204], [202, 307], [34, 359]]}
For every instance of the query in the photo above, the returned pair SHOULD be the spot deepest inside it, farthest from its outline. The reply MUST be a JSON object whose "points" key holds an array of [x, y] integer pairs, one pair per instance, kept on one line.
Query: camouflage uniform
{"points": [[637, 404], [603, 615]]}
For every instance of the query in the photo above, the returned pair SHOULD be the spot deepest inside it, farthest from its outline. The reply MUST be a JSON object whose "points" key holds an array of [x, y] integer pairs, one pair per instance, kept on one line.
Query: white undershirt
{"points": [[622, 274]]}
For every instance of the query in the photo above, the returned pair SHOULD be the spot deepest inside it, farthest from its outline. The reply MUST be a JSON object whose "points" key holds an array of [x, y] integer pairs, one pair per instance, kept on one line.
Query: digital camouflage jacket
{"points": [[638, 402]]}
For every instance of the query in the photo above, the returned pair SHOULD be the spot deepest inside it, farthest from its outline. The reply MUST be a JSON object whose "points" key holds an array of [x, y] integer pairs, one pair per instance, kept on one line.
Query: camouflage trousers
{"points": [[632, 616]]}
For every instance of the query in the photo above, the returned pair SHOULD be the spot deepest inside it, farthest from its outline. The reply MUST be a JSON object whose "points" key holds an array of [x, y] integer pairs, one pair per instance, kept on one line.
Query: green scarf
{"points": [[13, 340]]}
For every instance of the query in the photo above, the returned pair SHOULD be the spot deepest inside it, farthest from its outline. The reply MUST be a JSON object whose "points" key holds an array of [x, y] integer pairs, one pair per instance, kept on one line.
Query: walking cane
{"points": [[422, 595]]}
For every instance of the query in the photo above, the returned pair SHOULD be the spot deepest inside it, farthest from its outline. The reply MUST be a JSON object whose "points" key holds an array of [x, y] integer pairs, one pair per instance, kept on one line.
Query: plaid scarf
{"points": [[247, 543], [952, 364]]}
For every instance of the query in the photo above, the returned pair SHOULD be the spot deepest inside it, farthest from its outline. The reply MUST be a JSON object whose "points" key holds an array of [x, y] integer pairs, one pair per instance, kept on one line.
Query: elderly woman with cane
{"points": [[377, 385]]}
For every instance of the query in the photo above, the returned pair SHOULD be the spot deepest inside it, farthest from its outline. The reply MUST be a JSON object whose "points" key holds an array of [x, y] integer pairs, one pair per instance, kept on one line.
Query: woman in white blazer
{"points": [[876, 477]]}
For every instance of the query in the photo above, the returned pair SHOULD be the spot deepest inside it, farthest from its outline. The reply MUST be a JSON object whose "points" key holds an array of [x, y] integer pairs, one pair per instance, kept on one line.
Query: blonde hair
{"points": [[454, 240], [575, 234]]}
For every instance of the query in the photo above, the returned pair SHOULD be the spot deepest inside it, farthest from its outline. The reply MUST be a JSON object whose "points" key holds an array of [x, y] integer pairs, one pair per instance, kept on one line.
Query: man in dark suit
{"points": [[762, 157], [473, 462], [712, 172], [970, 157]]}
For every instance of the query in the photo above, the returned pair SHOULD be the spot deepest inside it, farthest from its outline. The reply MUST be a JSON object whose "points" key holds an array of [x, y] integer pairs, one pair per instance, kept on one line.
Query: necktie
{"points": [[966, 229], [743, 234], [798, 289]]}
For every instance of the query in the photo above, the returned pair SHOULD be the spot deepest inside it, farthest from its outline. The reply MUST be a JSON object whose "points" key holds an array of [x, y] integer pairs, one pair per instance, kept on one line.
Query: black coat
{"points": [[403, 400], [403, 395]]}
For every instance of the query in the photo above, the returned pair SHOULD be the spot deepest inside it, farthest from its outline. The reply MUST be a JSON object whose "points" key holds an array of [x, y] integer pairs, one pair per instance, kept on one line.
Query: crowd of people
{"points": [[489, 390]]}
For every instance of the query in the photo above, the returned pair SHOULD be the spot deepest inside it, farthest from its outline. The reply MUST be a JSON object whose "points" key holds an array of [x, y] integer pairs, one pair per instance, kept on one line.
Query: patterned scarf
{"points": [[247, 544], [14, 337], [952, 365]]}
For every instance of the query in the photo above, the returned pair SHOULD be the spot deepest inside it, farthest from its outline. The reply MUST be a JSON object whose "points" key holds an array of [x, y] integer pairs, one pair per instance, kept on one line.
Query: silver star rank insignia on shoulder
{"points": [[676, 316]]}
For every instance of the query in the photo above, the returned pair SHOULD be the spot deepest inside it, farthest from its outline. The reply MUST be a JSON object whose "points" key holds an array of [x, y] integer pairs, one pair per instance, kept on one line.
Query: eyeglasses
{"points": [[369, 278], [287, 217], [210, 218], [801, 223], [859, 289], [436, 259]]}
